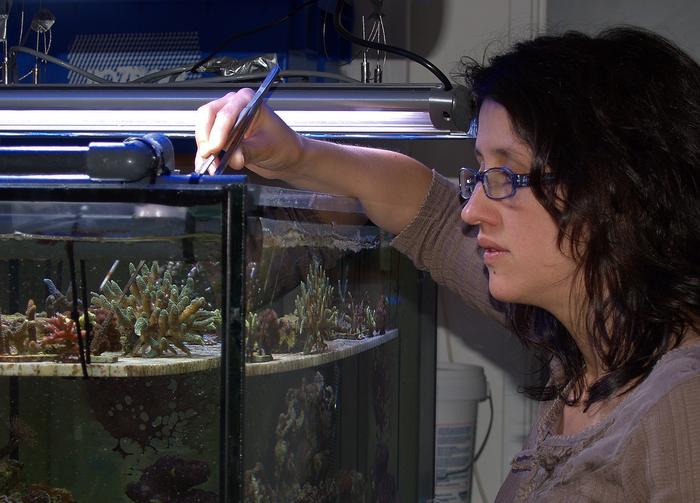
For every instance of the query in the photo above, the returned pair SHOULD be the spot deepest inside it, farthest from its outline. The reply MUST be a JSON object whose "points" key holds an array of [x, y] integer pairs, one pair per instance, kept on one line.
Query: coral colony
{"points": [[156, 316], [313, 310], [152, 316], [319, 316], [304, 467]]}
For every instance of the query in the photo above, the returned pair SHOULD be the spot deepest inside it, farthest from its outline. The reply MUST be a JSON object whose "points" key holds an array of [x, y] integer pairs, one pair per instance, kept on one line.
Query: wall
{"points": [[676, 19]]}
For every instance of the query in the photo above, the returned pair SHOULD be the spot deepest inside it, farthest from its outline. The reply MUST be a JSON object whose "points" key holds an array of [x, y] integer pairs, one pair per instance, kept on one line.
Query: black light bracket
{"points": [[134, 159], [450, 110]]}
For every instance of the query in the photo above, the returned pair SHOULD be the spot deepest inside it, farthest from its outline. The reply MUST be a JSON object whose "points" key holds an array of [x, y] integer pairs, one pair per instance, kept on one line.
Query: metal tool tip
{"points": [[202, 165]]}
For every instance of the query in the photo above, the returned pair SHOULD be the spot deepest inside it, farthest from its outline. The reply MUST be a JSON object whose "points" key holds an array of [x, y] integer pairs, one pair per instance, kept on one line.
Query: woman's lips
{"points": [[491, 251], [491, 255]]}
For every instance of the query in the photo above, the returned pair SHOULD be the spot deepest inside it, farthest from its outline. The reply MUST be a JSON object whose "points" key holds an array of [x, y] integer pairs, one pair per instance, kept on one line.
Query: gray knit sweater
{"points": [[646, 450]]}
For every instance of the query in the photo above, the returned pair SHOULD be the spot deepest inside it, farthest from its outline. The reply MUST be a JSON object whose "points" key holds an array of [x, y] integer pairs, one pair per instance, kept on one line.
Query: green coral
{"points": [[357, 319], [316, 317], [157, 316]]}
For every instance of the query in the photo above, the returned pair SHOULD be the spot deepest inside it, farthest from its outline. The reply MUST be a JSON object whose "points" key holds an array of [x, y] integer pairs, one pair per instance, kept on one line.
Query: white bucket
{"points": [[460, 388]]}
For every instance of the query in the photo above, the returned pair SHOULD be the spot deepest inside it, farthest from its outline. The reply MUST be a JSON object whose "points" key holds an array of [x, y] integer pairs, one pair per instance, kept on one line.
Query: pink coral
{"points": [[59, 336]]}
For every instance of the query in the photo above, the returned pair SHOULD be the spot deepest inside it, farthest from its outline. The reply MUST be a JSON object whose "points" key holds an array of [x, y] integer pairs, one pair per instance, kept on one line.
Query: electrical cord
{"points": [[56, 61], [252, 77], [160, 74], [243, 34], [446, 84], [488, 432]]}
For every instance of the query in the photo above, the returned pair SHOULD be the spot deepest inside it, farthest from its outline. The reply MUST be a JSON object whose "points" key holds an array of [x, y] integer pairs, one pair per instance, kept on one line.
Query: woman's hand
{"points": [[270, 147], [390, 186]]}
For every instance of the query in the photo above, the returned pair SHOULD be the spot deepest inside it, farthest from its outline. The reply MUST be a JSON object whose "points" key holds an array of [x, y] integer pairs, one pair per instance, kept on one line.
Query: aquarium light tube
{"points": [[39, 178], [358, 121], [183, 121], [43, 148]]}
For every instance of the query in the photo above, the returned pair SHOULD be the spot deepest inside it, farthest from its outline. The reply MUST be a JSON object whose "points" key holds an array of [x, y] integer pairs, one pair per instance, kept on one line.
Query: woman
{"points": [[584, 211]]}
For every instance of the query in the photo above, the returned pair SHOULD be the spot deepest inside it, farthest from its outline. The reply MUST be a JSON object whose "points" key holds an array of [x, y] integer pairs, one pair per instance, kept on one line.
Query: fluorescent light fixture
{"points": [[358, 121], [45, 148], [183, 121], [39, 178]]}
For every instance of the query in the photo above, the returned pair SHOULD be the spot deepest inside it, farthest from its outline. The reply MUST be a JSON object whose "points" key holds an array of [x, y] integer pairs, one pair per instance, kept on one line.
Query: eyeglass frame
{"points": [[516, 181]]}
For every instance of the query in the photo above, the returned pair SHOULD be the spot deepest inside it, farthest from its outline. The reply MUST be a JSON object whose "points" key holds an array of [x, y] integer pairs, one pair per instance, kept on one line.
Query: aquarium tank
{"points": [[207, 339]]}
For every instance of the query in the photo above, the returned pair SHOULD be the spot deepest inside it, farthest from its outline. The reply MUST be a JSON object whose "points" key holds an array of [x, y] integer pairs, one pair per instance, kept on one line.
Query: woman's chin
{"points": [[503, 293]]}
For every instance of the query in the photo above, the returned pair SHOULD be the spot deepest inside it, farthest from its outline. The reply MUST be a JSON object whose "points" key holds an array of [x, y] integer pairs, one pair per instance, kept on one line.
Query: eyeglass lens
{"points": [[497, 182]]}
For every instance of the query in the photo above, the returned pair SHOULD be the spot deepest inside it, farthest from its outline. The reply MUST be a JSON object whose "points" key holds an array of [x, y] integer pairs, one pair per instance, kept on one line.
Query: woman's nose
{"points": [[477, 208]]}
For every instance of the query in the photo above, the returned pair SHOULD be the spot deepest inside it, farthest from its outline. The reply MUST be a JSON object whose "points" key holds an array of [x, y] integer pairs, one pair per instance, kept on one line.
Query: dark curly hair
{"points": [[615, 118]]}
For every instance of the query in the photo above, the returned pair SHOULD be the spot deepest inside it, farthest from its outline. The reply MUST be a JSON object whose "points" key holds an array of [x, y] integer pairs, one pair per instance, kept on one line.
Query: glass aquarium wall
{"points": [[211, 342], [112, 342], [321, 352]]}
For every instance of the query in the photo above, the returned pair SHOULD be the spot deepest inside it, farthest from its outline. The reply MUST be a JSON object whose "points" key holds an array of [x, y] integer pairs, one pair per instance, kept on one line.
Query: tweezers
{"points": [[239, 128]]}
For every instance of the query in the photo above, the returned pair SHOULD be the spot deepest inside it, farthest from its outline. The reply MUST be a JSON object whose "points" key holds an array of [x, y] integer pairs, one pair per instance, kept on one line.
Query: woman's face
{"points": [[517, 236]]}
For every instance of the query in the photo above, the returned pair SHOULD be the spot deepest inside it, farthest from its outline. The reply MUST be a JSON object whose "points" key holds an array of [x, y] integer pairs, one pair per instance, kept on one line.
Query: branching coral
{"points": [[262, 330], [106, 335], [60, 336], [358, 319], [316, 317], [156, 316], [18, 332]]}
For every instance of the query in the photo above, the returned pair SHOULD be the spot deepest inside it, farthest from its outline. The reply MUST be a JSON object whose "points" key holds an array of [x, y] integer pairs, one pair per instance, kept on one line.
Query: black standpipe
{"points": [[131, 160]]}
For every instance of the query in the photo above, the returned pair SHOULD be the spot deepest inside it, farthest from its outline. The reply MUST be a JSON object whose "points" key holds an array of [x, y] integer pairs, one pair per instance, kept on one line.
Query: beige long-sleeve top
{"points": [[646, 450]]}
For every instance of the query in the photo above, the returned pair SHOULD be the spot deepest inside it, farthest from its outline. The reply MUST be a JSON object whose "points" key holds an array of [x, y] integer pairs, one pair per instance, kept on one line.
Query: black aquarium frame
{"points": [[228, 191]]}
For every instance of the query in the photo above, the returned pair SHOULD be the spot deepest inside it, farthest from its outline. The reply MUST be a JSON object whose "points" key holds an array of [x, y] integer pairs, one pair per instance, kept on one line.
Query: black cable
{"points": [[243, 34], [446, 84], [59, 62], [252, 77], [74, 310], [86, 312], [160, 74], [488, 432]]}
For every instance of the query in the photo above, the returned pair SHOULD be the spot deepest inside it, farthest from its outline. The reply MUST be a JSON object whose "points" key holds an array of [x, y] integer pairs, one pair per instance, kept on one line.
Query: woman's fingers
{"points": [[215, 121]]}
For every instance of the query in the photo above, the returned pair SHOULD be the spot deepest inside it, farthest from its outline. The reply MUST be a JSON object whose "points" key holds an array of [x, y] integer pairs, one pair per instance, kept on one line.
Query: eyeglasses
{"points": [[499, 182]]}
